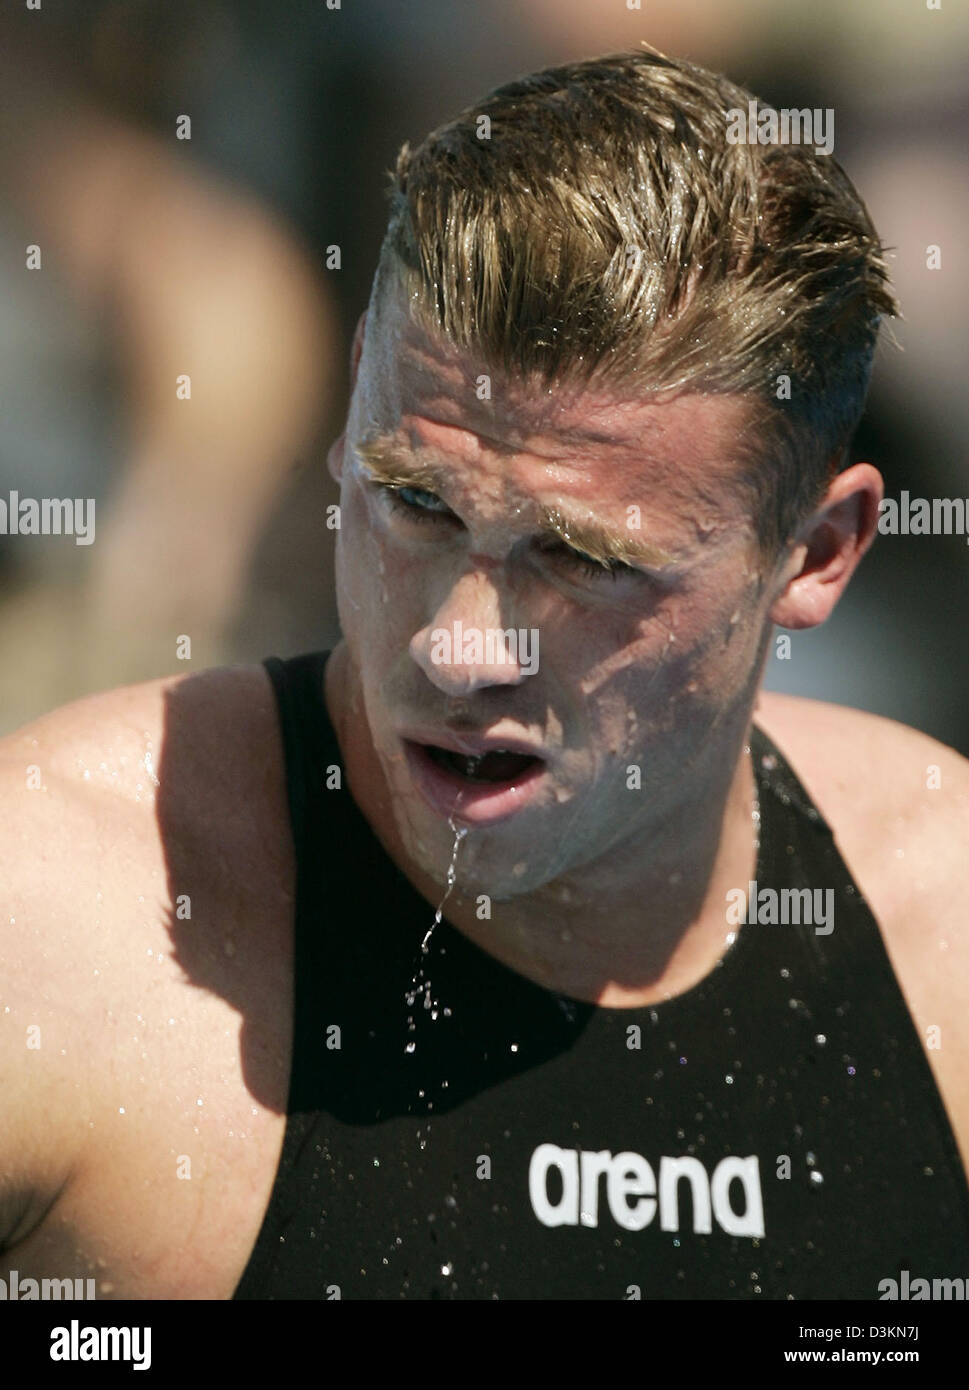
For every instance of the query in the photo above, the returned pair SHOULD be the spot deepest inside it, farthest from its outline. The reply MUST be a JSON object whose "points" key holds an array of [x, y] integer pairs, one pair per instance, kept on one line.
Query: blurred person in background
{"points": [[203, 338]]}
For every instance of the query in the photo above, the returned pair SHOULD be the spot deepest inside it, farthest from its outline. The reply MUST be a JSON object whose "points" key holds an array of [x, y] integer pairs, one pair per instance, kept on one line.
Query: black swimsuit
{"points": [[775, 1132]]}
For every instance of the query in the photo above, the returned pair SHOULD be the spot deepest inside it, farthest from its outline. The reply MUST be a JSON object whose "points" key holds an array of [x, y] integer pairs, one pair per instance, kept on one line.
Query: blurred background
{"points": [[212, 257]]}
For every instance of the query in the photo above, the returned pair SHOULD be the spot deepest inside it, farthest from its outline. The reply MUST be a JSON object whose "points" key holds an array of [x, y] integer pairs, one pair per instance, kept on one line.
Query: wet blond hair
{"points": [[598, 228]]}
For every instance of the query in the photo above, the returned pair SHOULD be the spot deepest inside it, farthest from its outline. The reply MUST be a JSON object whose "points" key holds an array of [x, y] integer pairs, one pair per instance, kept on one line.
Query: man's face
{"points": [[449, 590]]}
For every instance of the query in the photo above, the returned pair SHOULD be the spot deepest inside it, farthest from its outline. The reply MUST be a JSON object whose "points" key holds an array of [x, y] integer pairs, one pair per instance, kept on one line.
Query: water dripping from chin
{"points": [[420, 985]]}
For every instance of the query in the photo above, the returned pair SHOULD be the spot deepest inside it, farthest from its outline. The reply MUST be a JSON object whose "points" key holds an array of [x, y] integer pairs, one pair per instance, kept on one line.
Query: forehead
{"points": [[437, 401]]}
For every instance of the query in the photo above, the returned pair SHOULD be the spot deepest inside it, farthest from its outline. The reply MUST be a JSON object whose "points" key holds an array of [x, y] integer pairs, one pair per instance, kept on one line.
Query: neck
{"points": [[641, 923]]}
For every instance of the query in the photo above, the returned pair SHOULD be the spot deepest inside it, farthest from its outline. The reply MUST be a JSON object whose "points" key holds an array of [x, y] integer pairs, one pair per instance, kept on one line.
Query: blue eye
{"points": [[411, 501]]}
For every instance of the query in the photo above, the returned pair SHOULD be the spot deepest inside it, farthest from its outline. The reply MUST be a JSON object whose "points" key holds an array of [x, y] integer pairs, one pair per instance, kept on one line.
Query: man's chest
{"points": [[702, 1169], [736, 1142], [568, 1153]]}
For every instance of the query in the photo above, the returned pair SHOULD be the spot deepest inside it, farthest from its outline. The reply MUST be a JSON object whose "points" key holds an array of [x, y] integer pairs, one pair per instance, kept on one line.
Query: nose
{"points": [[465, 647]]}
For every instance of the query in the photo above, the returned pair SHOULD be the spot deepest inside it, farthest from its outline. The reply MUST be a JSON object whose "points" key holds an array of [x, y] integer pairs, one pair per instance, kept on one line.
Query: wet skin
{"points": [[165, 1038], [652, 667]]}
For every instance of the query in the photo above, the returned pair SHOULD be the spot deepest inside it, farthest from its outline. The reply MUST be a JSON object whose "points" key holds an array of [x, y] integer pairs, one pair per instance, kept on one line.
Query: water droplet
{"points": [[419, 983]]}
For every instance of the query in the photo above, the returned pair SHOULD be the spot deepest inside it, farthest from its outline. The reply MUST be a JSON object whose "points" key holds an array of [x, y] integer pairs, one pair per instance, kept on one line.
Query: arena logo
{"points": [[762, 125], [938, 516], [784, 907], [634, 1196], [48, 516], [494, 646]]}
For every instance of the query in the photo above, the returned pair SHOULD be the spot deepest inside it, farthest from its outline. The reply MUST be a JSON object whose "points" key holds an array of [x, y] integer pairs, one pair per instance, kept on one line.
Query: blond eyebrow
{"points": [[605, 543], [384, 461]]}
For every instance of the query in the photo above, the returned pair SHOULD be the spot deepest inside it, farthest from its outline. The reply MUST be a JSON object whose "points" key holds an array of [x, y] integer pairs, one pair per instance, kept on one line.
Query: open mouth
{"points": [[480, 789], [499, 765]]}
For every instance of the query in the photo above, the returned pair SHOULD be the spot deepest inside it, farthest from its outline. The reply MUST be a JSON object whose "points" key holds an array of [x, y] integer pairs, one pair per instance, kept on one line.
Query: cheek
{"points": [[717, 678], [379, 584], [359, 582], [363, 548], [684, 664], [718, 651]]}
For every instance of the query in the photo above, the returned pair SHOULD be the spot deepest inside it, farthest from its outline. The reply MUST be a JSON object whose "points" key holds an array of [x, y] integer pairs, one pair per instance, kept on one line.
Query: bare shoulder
{"points": [[155, 755], [896, 799], [113, 809], [870, 768], [166, 779], [103, 740], [832, 732], [897, 802]]}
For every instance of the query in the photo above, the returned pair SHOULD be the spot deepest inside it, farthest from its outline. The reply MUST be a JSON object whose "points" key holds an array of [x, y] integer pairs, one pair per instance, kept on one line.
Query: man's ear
{"points": [[828, 547], [334, 458]]}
